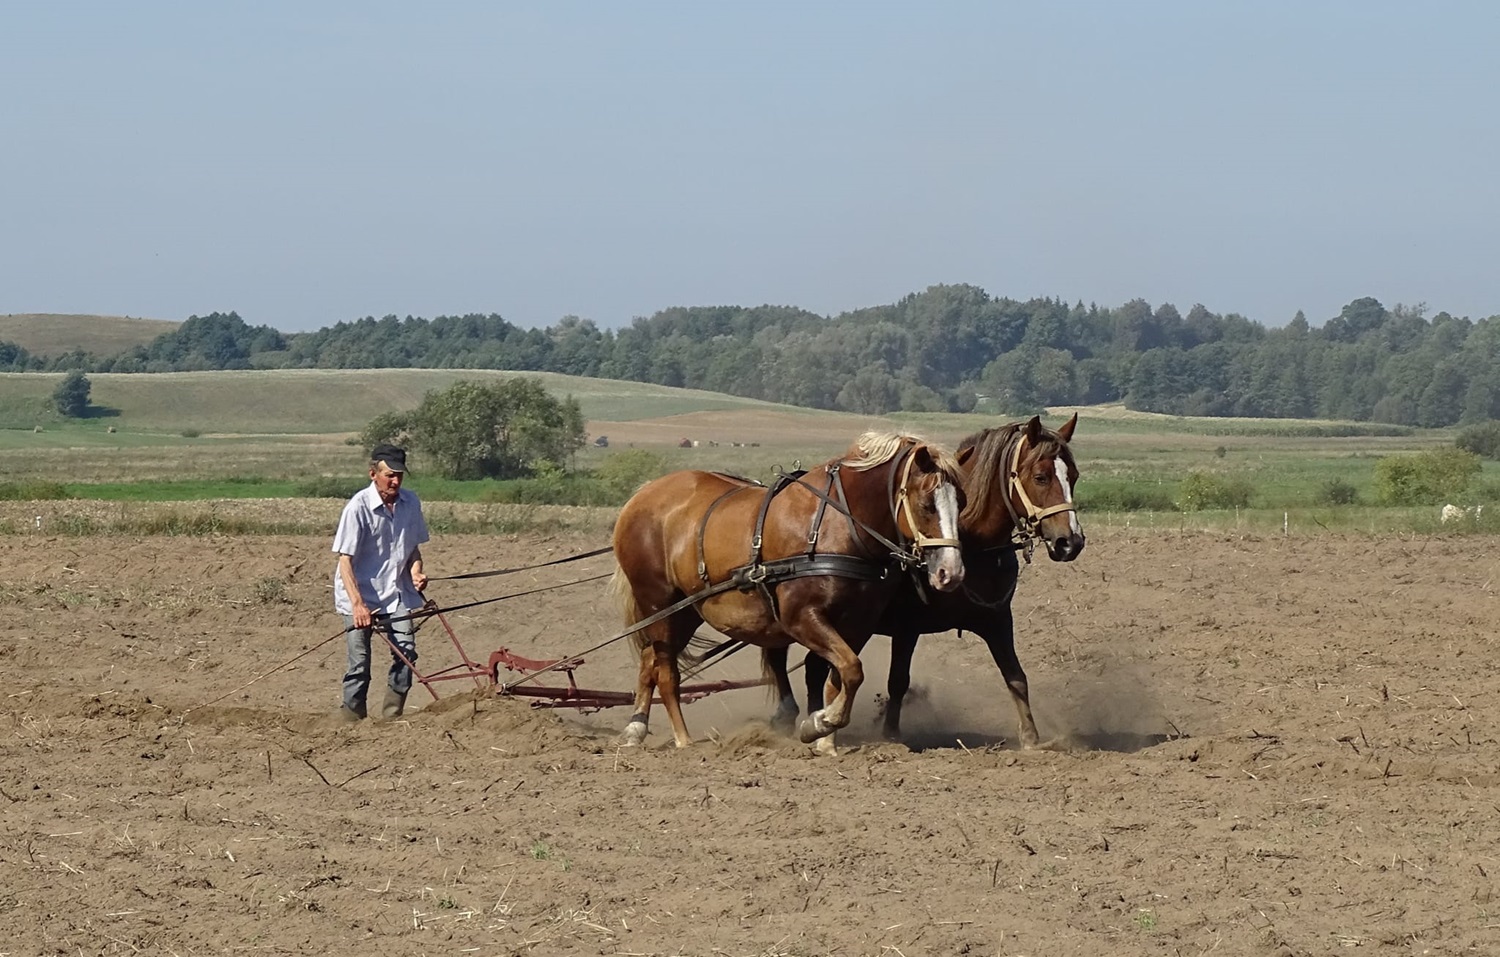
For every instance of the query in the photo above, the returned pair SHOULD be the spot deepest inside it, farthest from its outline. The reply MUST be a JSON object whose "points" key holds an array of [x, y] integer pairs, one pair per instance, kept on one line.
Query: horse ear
{"points": [[1066, 432], [1034, 429], [922, 458], [964, 454]]}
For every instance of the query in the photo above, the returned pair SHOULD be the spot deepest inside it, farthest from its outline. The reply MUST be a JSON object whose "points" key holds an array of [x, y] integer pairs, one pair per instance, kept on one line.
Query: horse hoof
{"points": [[634, 734], [825, 747], [813, 727]]}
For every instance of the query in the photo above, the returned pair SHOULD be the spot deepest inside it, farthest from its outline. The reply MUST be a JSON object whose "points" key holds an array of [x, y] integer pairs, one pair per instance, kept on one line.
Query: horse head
{"points": [[1027, 471], [929, 501]]}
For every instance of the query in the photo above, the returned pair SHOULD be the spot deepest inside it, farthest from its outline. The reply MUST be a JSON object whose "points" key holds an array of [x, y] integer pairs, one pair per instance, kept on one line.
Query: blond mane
{"points": [[872, 449]]}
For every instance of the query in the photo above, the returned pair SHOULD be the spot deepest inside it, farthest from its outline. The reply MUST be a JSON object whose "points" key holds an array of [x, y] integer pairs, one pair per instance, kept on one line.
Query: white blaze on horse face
{"points": [[948, 571], [946, 500], [1062, 482]]}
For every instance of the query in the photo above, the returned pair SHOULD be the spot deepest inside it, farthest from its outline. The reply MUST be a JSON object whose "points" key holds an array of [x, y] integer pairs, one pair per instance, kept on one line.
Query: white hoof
{"points": [[825, 746], [634, 734]]}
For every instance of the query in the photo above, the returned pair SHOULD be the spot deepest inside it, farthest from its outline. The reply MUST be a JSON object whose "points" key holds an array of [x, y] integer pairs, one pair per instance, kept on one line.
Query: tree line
{"points": [[950, 347]]}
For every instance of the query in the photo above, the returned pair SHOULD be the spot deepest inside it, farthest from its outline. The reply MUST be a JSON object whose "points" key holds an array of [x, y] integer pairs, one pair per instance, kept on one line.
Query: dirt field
{"points": [[1277, 747]]}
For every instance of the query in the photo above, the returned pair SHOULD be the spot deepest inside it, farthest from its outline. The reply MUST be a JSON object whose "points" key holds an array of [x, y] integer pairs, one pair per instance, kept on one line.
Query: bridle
{"points": [[903, 503], [1027, 526]]}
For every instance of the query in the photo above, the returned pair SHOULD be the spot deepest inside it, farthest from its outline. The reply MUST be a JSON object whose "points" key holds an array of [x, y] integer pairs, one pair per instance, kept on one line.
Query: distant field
{"points": [[47, 334], [289, 425], [300, 401]]}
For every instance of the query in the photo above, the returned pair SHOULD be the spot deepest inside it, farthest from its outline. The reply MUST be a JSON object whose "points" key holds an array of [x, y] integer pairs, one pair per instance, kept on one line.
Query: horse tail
{"points": [[769, 673], [630, 612], [773, 670]]}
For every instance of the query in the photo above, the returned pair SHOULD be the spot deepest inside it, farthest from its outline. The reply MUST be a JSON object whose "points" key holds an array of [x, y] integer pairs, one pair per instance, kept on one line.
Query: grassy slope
{"points": [[300, 401], [46, 334]]}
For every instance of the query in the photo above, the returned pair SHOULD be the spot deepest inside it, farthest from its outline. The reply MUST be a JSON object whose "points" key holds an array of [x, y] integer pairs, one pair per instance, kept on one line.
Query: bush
{"points": [[507, 429], [1427, 478], [624, 472], [32, 491], [1200, 491], [1483, 440], [71, 397], [1124, 497], [1336, 492]]}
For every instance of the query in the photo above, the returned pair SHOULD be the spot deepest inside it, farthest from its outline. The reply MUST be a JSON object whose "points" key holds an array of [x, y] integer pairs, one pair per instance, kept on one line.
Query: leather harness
{"points": [[762, 575]]}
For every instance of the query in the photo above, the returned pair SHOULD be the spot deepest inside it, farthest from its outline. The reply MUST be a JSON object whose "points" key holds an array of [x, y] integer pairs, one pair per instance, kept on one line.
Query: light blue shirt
{"points": [[380, 541]]}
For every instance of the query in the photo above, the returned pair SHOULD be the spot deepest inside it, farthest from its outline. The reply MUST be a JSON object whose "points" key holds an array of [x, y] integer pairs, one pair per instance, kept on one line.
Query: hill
{"points": [[327, 401], [50, 334]]}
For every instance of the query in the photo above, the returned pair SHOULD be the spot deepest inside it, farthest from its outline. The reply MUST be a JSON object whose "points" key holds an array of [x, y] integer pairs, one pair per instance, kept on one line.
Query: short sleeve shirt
{"points": [[380, 542]]}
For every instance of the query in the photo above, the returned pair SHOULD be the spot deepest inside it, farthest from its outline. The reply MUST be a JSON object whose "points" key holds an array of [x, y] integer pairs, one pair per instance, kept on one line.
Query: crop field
{"points": [[1269, 731]]}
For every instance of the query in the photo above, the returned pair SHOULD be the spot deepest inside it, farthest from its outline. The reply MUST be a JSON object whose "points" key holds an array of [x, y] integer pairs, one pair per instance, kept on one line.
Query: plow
{"points": [[508, 674]]}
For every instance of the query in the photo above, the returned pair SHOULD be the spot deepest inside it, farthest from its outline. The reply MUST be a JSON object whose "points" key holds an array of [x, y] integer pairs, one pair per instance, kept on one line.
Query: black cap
{"points": [[393, 457]]}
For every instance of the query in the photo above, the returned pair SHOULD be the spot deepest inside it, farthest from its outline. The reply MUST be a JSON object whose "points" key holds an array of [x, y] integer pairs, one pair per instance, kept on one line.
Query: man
{"points": [[378, 580]]}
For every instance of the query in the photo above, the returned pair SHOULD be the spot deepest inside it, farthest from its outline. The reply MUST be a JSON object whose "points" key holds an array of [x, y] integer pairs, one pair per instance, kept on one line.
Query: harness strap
{"points": [[903, 500], [703, 527]]}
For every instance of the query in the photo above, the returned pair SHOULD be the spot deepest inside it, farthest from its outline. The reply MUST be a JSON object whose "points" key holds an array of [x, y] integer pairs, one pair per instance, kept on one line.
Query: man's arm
{"points": [[357, 606], [414, 565]]}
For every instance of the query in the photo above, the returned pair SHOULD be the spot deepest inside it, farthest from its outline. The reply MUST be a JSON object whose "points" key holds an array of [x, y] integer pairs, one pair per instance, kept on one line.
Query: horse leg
{"points": [[903, 647], [820, 637], [773, 666], [668, 677], [1002, 645], [661, 644], [816, 675], [645, 690]]}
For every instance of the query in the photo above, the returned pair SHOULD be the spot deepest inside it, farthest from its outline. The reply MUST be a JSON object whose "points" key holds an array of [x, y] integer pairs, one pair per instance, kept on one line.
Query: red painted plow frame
{"points": [[572, 696]]}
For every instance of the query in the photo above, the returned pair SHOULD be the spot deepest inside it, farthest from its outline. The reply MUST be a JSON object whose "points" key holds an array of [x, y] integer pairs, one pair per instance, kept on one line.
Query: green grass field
{"points": [[206, 436]]}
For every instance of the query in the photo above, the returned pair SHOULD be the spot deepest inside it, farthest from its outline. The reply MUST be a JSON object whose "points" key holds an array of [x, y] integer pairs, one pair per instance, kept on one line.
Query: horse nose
{"points": [[1067, 548], [948, 578]]}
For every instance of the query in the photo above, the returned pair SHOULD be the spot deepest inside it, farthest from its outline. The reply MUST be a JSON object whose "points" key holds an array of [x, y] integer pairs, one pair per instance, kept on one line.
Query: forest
{"points": [[950, 347]]}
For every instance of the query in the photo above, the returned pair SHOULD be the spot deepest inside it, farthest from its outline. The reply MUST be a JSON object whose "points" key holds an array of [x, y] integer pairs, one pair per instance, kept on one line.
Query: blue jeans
{"points": [[357, 675]]}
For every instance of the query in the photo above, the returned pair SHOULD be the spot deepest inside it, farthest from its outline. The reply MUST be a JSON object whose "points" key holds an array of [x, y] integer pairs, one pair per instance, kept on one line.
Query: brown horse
{"points": [[1020, 480], [813, 560]]}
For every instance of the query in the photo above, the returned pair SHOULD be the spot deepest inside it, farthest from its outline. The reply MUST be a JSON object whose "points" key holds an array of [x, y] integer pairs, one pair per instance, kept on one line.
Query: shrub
{"points": [[1124, 497], [1200, 491], [1427, 478], [1482, 439], [506, 429], [624, 472], [191, 433], [71, 397], [32, 491], [1336, 492]]}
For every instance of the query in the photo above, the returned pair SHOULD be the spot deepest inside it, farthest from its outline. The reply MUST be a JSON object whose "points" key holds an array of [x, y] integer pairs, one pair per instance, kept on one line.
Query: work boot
{"points": [[349, 716], [395, 703]]}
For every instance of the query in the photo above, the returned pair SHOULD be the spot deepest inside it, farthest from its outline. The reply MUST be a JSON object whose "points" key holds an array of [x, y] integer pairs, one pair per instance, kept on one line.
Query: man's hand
{"points": [[361, 615], [419, 579]]}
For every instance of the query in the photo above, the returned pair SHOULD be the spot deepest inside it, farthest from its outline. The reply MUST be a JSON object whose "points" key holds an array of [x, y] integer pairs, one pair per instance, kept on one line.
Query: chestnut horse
{"points": [[814, 560], [1020, 480]]}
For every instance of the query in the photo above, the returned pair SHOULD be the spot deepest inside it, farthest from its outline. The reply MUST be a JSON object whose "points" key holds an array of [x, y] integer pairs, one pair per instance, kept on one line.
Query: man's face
{"points": [[387, 483]]}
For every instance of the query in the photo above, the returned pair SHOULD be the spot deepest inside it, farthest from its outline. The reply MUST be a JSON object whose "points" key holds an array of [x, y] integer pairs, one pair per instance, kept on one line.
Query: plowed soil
{"points": [[1262, 746]]}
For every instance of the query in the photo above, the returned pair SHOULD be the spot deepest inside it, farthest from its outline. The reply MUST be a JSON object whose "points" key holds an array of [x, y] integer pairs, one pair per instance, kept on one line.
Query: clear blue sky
{"points": [[306, 163]]}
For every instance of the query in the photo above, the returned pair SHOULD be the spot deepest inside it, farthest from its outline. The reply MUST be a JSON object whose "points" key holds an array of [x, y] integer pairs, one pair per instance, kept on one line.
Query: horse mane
{"points": [[872, 449], [986, 483]]}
